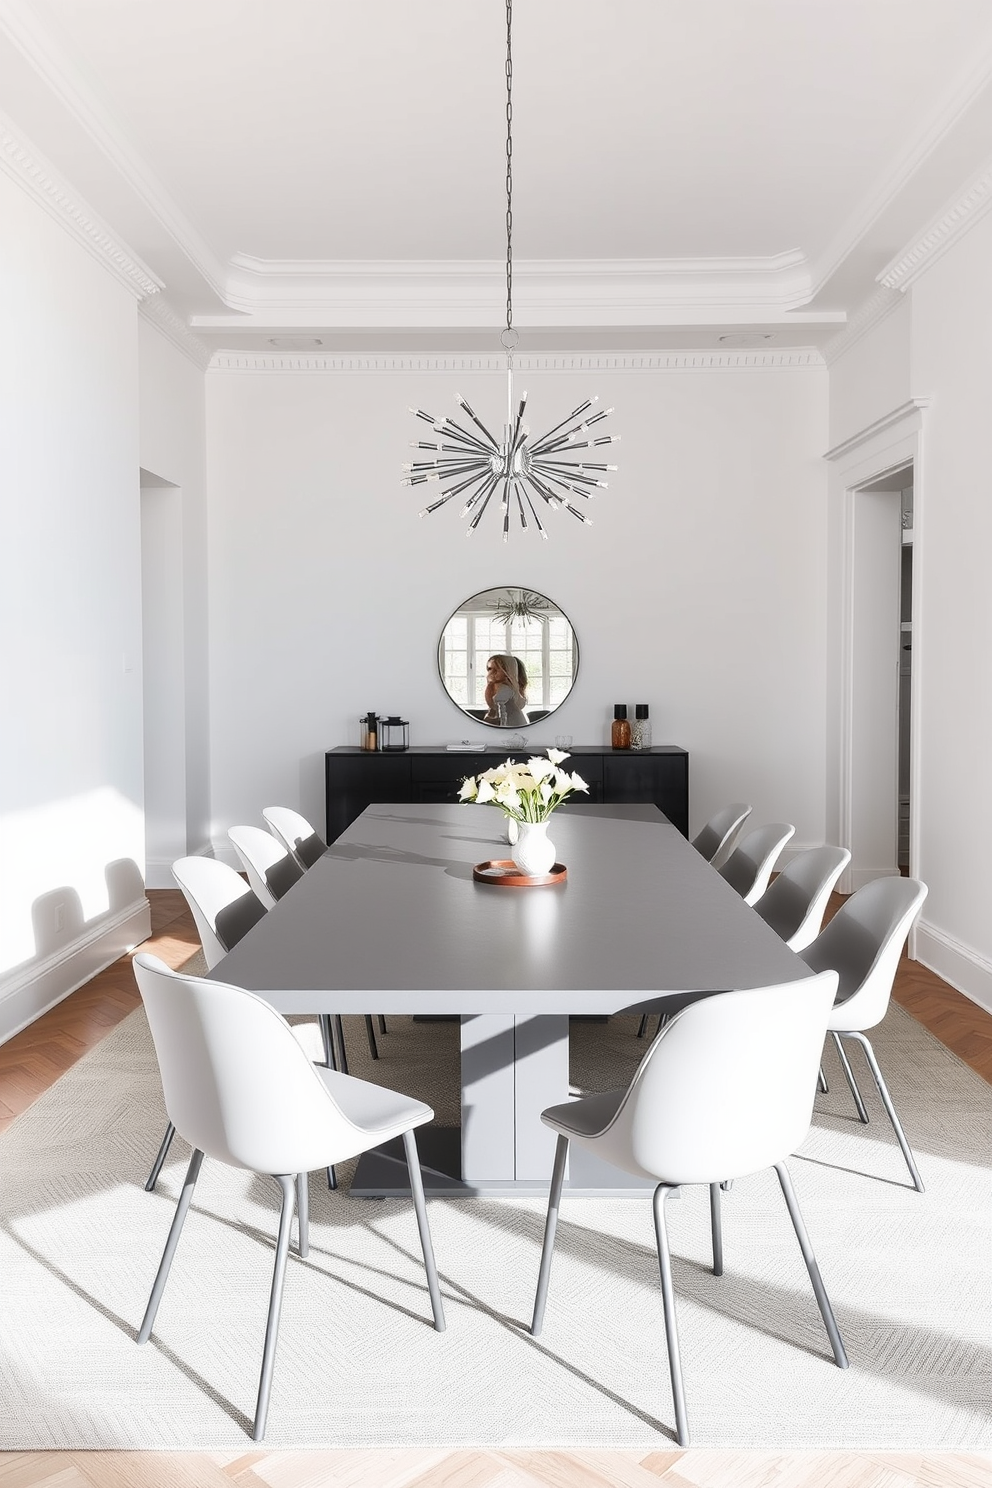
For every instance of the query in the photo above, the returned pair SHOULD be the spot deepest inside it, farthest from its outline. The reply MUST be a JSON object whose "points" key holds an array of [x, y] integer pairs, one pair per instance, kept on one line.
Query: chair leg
{"points": [[883, 1091], [821, 1083], [178, 1220], [340, 1056], [163, 1152], [303, 1213], [668, 1302], [716, 1228], [370, 1034], [287, 1182], [382, 1023], [550, 1226], [642, 1027], [852, 1082], [819, 1290], [420, 1209]]}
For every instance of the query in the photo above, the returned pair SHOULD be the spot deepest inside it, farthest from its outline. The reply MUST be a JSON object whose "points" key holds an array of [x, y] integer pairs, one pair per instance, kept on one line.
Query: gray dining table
{"points": [[391, 921]]}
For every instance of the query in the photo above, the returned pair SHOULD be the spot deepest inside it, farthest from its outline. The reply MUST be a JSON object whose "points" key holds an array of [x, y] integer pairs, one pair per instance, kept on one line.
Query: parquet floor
{"points": [[34, 1060]]}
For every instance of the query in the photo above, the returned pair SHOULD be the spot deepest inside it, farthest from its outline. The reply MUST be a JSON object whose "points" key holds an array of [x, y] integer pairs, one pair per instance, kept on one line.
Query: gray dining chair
{"points": [[795, 901], [697, 1112], [716, 839], [295, 833], [750, 865]]}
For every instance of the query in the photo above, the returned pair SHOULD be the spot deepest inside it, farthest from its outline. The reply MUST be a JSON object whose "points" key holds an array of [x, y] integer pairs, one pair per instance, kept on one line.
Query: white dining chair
{"points": [[271, 868], [795, 901], [725, 1089], [240, 1089], [716, 839], [863, 943], [295, 833], [224, 908], [750, 865]]}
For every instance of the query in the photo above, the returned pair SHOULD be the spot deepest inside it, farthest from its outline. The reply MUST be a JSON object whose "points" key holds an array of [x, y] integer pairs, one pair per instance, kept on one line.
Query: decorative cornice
{"points": [[160, 314], [29, 168], [872, 312], [941, 233], [880, 426], [672, 361]]}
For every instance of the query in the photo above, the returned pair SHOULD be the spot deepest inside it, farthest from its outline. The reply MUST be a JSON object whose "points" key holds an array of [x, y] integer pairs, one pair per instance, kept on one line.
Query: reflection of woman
{"points": [[506, 692]]}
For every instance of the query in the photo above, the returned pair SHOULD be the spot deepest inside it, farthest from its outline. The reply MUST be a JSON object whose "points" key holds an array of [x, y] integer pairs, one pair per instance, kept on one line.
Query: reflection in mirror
{"points": [[508, 657]]}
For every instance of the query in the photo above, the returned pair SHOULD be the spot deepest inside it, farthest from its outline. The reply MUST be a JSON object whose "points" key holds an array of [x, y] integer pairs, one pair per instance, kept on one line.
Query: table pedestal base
{"points": [[382, 1174]]}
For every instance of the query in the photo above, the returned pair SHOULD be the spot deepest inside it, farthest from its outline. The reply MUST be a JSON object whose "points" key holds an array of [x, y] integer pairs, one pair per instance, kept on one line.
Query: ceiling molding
{"points": [[674, 361], [29, 168], [872, 312], [160, 314], [880, 426], [965, 90], [546, 291], [26, 31], [941, 233]]}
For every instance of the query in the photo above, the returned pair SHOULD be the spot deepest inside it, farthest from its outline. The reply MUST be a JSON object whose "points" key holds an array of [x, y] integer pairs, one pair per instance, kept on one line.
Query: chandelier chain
{"points": [[509, 166]]}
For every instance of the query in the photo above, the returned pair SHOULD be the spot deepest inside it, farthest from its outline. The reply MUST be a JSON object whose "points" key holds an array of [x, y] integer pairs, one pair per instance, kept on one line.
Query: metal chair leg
{"points": [[716, 1228], [370, 1034], [382, 1023], [337, 1039], [821, 1083], [420, 1209], [668, 1302], [883, 1091], [819, 1290], [550, 1226], [287, 1183], [178, 1220], [852, 1082], [642, 1027], [163, 1152], [303, 1213]]}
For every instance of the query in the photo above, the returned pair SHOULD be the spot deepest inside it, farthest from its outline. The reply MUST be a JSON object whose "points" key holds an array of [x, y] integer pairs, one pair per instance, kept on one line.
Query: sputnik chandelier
{"points": [[526, 473]]}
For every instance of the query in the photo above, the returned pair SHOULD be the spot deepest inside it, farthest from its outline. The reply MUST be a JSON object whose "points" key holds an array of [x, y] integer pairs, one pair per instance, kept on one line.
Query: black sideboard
{"points": [[354, 778]]}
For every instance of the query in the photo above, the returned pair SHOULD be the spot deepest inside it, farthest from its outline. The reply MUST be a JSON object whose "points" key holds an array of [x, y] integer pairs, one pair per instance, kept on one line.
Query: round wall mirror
{"points": [[508, 657]]}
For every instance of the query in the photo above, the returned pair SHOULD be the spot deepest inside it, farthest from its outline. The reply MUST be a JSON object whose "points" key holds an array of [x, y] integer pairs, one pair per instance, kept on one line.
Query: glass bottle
{"points": [[640, 729], [370, 732], [620, 733]]}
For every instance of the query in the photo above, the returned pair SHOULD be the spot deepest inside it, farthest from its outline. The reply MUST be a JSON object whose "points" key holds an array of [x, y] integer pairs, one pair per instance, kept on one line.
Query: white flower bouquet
{"points": [[526, 792]]}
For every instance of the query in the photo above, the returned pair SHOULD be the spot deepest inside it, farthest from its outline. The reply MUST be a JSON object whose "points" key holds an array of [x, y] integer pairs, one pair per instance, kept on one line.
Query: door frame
{"points": [[892, 442]]}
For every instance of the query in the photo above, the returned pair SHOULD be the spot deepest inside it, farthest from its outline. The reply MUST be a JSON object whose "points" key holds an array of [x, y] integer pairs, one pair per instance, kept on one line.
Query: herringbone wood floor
{"points": [[34, 1060]]}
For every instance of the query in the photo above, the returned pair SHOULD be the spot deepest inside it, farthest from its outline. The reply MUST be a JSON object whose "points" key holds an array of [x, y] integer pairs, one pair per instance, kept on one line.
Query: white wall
{"points": [[872, 376], [71, 894], [173, 453], [699, 589], [952, 313]]}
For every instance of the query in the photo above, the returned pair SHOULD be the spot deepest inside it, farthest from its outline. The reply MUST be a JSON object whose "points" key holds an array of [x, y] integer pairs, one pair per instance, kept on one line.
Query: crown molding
{"points": [[28, 34], [960, 96], [941, 233], [674, 361], [39, 178], [871, 313], [880, 426], [547, 291], [160, 314]]}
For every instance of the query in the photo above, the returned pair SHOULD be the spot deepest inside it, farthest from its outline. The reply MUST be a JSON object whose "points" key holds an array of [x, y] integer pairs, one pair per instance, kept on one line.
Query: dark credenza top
{"points": [[355, 778]]}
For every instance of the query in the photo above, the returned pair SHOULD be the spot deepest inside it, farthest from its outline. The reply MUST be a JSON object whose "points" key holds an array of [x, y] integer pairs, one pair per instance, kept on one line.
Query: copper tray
{"points": [[505, 874]]}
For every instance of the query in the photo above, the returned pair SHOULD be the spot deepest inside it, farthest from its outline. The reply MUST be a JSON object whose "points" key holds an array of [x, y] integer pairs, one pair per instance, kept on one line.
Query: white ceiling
{"points": [[682, 168]]}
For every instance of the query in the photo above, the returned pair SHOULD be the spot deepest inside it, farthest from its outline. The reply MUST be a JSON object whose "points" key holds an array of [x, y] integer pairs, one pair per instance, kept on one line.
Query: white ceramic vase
{"points": [[533, 852]]}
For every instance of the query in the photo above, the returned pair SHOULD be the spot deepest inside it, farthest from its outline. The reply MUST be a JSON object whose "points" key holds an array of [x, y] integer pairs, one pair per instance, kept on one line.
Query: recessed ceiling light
{"points": [[295, 343], [745, 338]]}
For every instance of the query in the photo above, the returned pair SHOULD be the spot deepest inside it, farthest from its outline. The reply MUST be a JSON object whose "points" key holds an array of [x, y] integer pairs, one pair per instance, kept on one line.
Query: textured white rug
{"points": [[358, 1362]]}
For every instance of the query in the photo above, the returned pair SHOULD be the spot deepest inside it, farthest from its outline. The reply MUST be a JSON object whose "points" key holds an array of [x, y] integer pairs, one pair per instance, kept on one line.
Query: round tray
{"points": [[505, 874]]}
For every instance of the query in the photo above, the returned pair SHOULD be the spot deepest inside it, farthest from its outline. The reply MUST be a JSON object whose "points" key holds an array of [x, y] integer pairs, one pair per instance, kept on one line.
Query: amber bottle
{"points": [[620, 734]]}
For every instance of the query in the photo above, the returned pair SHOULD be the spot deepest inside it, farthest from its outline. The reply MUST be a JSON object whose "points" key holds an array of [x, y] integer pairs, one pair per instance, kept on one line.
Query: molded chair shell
{"points": [[271, 868], [716, 840], [697, 1111], [750, 865], [240, 1089], [223, 906], [295, 833], [795, 901]]}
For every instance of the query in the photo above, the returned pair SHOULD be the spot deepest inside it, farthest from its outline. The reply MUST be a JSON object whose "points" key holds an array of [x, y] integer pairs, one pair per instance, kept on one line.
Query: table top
{"points": [[390, 920]]}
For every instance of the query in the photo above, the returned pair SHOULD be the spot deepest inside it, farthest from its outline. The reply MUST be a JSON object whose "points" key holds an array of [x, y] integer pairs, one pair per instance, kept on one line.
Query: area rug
{"points": [[359, 1364]]}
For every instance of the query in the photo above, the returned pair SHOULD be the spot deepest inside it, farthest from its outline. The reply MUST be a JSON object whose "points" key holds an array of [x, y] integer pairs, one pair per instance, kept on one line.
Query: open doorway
{"points": [[882, 673], [163, 678]]}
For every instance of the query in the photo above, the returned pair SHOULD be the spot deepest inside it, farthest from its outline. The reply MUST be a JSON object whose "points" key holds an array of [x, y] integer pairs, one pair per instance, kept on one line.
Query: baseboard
{"points": [[961, 965], [33, 989]]}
